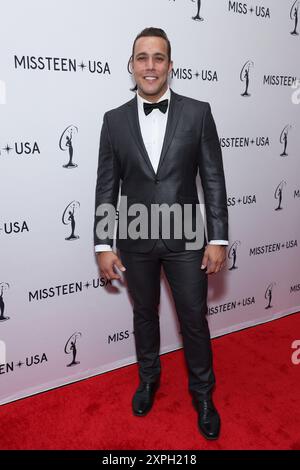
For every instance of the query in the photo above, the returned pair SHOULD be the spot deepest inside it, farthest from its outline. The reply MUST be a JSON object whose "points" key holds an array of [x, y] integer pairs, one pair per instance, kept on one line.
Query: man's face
{"points": [[151, 66]]}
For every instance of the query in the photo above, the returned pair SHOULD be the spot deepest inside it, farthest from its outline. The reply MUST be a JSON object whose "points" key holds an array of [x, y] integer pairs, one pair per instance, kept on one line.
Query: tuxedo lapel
{"points": [[136, 131], [176, 104]]}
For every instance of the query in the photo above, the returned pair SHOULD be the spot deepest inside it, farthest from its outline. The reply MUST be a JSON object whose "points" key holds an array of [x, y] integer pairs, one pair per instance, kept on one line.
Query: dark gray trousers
{"points": [[188, 284]]}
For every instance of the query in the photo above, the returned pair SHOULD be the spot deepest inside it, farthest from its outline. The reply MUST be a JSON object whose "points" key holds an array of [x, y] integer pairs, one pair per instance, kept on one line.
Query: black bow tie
{"points": [[162, 106]]}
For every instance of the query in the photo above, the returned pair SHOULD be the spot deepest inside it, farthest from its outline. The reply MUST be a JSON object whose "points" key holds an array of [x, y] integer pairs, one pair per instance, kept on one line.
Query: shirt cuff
{"points": [[99, 248], [218, 242]]}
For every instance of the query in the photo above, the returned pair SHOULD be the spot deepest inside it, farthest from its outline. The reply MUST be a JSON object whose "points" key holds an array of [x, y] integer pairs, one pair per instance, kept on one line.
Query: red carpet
{"points": [[257, 395]]}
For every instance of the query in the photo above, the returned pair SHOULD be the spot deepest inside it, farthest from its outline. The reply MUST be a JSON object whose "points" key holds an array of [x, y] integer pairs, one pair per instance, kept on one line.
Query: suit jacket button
{"points": [[156, 181]]}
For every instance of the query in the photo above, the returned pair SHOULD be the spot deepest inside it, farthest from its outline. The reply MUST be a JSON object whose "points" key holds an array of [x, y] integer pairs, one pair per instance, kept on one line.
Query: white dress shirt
{"points": [[153, 128]]}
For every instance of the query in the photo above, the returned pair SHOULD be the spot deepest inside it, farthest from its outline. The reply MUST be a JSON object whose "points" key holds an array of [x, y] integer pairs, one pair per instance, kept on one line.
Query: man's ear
{"points": [[130, 70], [170, 65], [130, 65]]}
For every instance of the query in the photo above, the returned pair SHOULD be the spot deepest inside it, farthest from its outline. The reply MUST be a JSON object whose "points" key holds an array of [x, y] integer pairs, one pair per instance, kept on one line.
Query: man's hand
{"points": [[214, 258], [107, 260]]}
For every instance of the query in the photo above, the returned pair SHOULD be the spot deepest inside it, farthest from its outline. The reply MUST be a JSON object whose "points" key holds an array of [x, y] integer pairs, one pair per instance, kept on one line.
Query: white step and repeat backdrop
{"points": [[62, 65]]}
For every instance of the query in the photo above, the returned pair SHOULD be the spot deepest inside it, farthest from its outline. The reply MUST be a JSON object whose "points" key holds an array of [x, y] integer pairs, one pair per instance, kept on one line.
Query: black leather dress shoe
{"points": [[209, 422], [143, 398]]}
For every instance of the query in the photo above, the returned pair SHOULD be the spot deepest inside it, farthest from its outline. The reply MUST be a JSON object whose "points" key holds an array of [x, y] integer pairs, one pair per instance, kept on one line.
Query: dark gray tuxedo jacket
{"points": [[191, 143]]}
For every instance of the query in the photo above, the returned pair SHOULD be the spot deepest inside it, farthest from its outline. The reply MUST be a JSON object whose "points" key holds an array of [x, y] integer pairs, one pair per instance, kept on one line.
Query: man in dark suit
{"points": [[154, 146]]}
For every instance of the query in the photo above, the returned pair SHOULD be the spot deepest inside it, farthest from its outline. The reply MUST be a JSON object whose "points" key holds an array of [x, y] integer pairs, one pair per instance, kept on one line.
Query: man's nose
{"points": [[150, 64]]}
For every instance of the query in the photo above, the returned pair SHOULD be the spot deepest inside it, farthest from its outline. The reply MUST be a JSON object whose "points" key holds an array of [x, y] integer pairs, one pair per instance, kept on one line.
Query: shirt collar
{"points": [[141, 100]]}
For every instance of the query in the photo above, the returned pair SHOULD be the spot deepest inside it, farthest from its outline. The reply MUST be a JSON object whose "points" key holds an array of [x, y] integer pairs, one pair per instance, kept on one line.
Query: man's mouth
{"points": [[150, 78]]}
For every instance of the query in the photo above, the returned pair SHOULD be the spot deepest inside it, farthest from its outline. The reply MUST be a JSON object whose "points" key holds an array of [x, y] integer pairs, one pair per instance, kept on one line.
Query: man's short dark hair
{"points": [[157, 32]]}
